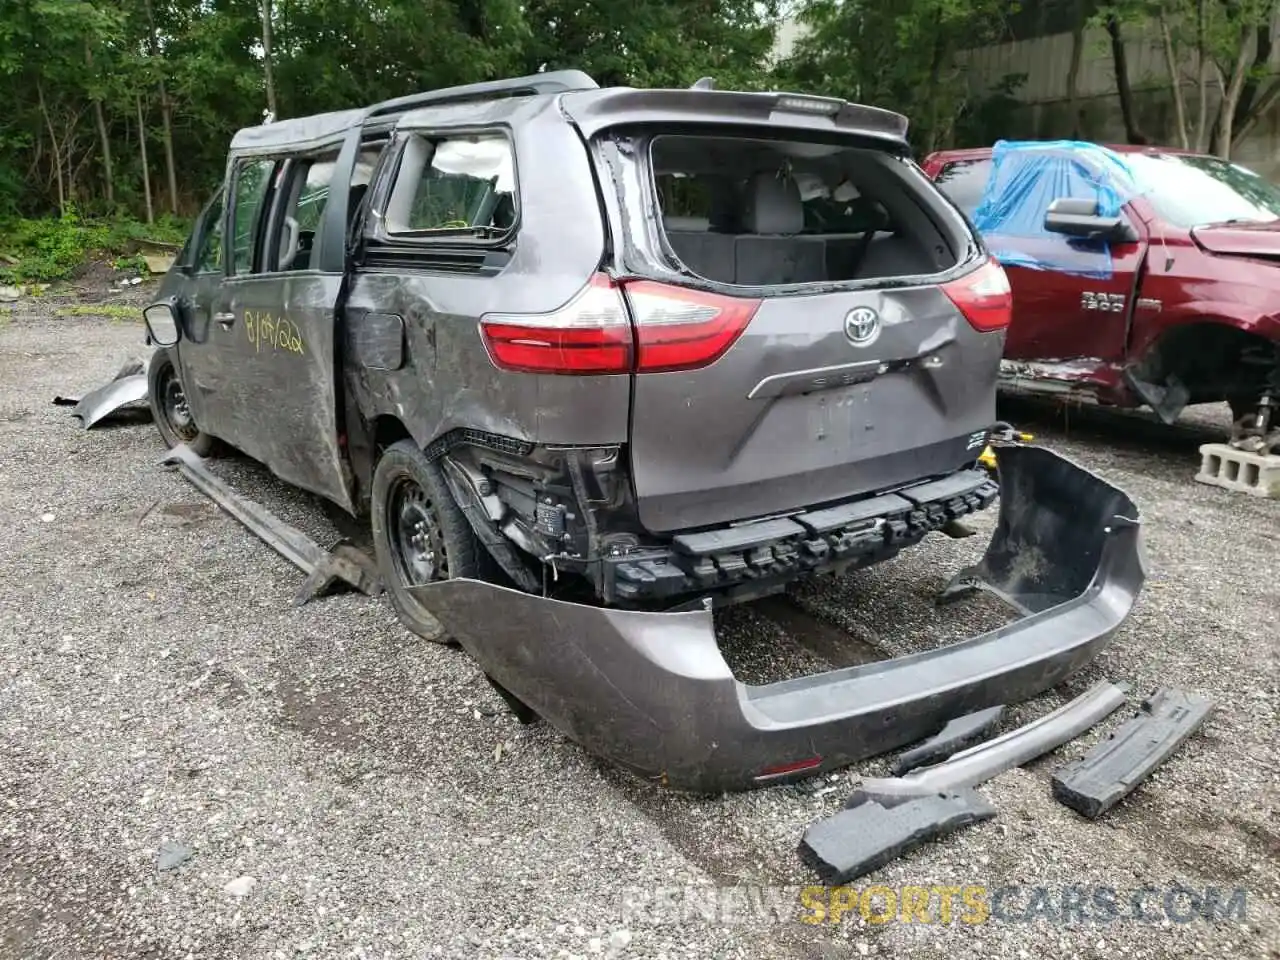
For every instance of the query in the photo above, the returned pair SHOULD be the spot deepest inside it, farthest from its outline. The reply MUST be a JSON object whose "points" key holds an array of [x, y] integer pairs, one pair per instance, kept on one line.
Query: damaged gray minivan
{"points": [[594, 361]]}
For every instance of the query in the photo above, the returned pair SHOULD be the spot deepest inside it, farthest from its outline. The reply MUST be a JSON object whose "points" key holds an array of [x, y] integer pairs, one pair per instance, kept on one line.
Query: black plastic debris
{"points": [[856, 841], [955, 736], [1110, 771]]}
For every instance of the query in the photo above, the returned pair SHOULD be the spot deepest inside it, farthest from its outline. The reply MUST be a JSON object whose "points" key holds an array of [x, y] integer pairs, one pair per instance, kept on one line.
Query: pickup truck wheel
{"points": [[419, 533], [169, 407]]}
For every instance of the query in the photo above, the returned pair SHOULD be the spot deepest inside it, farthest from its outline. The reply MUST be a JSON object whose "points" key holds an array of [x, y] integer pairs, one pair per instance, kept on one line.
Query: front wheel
{"points": [[169, 407], [420, 534]]}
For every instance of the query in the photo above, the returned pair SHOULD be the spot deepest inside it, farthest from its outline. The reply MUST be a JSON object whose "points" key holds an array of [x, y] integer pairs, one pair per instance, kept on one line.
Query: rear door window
{"points": [[964, 182]]}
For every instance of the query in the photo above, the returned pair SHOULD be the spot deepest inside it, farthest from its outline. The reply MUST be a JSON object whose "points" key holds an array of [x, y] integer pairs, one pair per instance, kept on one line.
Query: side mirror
{"points": [[162, 322], [1080, 219]]}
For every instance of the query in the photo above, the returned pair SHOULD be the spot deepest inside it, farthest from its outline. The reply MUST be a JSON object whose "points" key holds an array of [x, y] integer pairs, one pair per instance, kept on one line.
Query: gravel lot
{"points": [[157, 687]]}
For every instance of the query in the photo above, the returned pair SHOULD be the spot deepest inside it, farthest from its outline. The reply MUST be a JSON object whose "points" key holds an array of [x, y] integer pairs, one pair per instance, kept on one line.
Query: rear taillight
{"points": [[589, 334], [674, 329], [984, 297], [679, 329]]}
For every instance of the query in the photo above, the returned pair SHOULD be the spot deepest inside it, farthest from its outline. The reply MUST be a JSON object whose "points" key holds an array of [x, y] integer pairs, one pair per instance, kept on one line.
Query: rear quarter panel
{"points": [[448, 381]]}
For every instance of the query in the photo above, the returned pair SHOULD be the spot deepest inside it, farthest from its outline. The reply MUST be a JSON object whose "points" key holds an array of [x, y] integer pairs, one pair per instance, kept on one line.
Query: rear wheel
{"points": [[169, 407], [420, 534]]}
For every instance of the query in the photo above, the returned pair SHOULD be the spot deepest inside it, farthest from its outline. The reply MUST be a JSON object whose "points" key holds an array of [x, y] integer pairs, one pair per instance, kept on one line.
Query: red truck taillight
{"points": [[674, 329], [984, 297]]}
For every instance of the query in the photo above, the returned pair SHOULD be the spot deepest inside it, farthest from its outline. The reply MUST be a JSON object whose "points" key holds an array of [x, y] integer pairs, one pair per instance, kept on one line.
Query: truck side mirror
{"points": [[1080, 219], [162, 322]]}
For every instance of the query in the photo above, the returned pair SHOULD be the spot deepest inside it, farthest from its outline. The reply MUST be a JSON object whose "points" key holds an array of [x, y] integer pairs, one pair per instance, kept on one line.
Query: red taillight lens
{"points": [[589, 334], [984, 297], [674, 329], [679, 329]]}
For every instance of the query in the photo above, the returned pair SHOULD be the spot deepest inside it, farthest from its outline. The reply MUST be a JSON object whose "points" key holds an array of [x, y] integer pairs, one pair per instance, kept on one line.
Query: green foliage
{"points": [[986, 119], [52, 248], [199, 65], [49, 249], [113, 311], [898, 54], [134, 263]]}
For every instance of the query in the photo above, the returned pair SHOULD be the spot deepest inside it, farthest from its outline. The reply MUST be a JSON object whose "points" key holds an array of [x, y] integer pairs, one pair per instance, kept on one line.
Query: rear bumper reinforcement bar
{"points": [[651, 691], [979, 764], [322, 567]]}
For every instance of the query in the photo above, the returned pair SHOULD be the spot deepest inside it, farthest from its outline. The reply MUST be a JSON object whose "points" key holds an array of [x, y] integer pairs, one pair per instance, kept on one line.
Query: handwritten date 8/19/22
{"points": [[272, 333]]}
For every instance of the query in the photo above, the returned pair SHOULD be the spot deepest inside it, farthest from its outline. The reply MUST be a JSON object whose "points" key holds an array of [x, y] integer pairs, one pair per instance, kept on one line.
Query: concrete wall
{"points": [[1046, 62]]}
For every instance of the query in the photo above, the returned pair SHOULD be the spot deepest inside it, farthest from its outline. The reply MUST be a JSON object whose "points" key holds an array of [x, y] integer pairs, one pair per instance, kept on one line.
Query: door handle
{"points": [[225, 320]]}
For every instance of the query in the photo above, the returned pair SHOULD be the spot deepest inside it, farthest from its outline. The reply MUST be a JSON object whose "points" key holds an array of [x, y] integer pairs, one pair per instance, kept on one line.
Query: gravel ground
{"points": [[341, 789]]}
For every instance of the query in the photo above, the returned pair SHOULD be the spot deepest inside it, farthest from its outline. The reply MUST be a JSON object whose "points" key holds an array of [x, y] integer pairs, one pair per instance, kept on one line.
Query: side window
{"points": [[305, 199], [964, 182], [251, 182], [456, 186], [208, 234]]}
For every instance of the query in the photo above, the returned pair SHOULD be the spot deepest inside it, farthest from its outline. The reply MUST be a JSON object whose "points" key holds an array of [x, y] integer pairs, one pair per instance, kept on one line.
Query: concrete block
{"points": [[1225, 466]]}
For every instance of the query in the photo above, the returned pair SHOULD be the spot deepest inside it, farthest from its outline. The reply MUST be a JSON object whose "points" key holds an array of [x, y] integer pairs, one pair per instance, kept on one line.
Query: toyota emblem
{"points": [[862, 326]]}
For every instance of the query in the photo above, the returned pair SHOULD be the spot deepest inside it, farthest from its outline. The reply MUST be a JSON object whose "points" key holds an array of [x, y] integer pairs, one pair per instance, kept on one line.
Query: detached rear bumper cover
{"points": [[651, 692]]}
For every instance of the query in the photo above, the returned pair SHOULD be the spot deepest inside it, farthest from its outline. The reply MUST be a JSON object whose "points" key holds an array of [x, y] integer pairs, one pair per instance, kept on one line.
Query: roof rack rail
{"points": [[558, 81]]}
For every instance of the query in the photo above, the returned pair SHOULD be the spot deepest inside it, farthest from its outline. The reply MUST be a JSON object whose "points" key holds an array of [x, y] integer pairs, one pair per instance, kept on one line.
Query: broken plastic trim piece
{"points": [[322, 567], [1110, 771], [979, 764], [956, 735], [854, 842], [110, 397]]}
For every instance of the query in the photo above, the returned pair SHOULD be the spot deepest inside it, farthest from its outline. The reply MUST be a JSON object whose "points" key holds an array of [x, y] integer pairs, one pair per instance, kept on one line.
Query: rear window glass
{"points": [[964, 182], [753, 212]]}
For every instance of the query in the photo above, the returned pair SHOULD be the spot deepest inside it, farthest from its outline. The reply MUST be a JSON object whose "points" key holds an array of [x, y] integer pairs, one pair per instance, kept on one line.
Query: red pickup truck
{"points": [[1140, 275]]}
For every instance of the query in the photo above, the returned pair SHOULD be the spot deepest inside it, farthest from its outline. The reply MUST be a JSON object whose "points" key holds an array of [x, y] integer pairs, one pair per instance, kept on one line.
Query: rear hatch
{"points": [[811, 320]]}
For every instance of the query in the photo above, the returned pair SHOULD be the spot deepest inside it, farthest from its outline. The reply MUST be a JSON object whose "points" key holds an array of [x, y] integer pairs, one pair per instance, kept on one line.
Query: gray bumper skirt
{"points": [[651, 691]]}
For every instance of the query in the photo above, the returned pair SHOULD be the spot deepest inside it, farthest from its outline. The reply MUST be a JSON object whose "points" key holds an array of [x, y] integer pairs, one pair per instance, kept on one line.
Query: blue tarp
{"points": [[1027, 176]]}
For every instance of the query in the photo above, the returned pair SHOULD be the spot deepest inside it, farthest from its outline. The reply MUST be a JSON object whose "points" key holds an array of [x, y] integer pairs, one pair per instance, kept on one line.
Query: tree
{"points": [[90, 85], [1113, 19], [657, 43], [898, 54], [1227, 44]]}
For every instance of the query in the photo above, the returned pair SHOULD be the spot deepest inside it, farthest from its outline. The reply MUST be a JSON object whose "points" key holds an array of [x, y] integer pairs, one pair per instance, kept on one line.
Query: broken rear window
{"points": [[754, 212]]}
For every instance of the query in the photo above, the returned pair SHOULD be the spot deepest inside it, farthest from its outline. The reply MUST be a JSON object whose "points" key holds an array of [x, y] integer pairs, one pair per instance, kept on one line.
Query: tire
{"points": [[420, 534], [169, 407]]}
